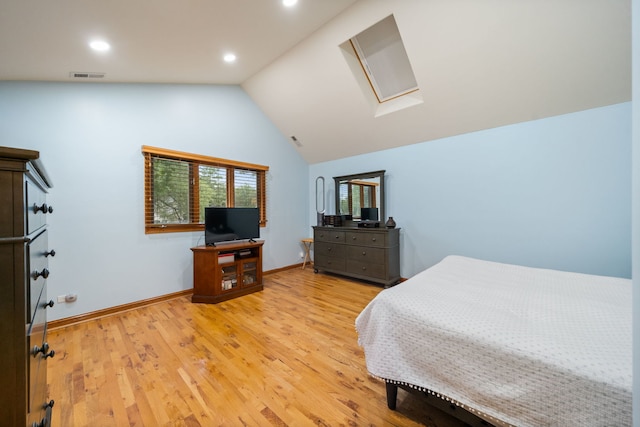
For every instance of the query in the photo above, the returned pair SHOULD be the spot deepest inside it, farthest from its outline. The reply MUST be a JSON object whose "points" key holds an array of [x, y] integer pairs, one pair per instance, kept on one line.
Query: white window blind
{"points": [[384, 60]]}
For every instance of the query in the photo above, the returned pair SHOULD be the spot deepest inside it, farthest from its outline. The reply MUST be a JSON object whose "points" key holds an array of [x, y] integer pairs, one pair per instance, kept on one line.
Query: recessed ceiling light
{"points": [[100, 45], [289, 3], [229, 57]]}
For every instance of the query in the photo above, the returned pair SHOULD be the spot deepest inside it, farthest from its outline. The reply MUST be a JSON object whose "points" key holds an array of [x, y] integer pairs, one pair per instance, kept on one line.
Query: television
{"points": [[229, 224], [369, 214]]}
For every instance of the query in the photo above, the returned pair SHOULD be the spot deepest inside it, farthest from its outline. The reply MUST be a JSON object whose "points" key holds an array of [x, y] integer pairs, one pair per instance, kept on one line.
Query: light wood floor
{"points": [[287, 356]]}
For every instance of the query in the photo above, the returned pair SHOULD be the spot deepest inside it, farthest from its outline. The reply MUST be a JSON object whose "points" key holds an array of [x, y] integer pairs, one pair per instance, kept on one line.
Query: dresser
{"points": [[371, 254], [24, 255]]}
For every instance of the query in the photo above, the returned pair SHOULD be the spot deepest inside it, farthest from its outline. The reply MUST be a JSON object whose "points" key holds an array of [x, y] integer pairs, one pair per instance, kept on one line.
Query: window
{"points": [[380, 64], [178, 186], [384, 60], [355, 195]]}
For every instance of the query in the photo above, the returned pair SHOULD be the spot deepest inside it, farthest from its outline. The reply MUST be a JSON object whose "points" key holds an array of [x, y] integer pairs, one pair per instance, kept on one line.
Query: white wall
{"points": [[551, 193], [90, 136]]}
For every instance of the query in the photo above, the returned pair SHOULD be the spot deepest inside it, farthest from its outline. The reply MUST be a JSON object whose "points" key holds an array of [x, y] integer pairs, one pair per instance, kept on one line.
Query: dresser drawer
{"points": [[366, 238], [38, 272], [37, 373], [330, 263], [367, 269], [329, 236], [37, 208], [366, 254], [323, 249]]}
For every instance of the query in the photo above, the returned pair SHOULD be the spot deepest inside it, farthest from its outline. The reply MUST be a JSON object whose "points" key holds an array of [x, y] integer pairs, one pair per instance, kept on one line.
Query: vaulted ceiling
{"points": [[479, 63]]}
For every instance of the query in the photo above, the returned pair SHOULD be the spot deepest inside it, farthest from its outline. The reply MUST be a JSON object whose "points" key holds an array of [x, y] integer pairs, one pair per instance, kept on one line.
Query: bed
{"points": [[513, 345]]}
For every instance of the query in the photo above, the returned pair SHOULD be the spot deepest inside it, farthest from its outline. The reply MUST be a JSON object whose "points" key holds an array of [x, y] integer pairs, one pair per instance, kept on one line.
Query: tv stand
{"points": [[226, 271]]}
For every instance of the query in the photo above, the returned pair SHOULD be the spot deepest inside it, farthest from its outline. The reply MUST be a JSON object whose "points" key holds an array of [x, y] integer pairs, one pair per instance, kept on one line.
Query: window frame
{"points": [[194, 160], [362, 199]]}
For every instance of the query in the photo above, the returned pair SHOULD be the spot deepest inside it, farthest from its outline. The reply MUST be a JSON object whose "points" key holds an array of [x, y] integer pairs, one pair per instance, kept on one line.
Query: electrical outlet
{"points": [[301, 255], [61, 298]]}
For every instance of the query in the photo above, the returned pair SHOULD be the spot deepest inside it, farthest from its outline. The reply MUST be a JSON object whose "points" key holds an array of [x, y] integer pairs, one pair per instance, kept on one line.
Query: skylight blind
{"points": [[384, 60]]}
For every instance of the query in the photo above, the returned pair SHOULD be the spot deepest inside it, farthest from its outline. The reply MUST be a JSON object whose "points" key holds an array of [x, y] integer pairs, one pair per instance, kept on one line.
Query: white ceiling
{"points": [[479, 63], [162, 41]]}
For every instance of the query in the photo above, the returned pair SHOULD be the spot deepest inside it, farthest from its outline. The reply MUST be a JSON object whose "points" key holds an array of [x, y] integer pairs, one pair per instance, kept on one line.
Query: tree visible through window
{"points": [[178, 186], [355, 195]]}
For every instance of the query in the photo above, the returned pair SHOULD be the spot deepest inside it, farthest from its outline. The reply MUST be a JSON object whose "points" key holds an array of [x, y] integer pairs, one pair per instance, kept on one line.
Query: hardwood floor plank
{"points": [[286, 356]]}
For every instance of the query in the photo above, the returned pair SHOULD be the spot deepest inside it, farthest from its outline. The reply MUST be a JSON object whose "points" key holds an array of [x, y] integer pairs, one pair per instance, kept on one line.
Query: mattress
{"points": [[519, 345]]}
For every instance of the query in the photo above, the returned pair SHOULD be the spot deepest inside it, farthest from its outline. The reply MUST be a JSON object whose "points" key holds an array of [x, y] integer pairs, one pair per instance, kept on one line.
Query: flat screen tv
{"points": [[369, 214], [229, 224]]}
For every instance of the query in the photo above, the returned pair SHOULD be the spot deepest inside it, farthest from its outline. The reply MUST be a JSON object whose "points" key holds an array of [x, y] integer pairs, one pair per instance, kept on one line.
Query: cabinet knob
{"points": [[42, 423], [43, 349], [44, 208], [50, 354], [48, 304], [364, 253], [44, 273], [51, 252], [49, 404], [373, 239]]}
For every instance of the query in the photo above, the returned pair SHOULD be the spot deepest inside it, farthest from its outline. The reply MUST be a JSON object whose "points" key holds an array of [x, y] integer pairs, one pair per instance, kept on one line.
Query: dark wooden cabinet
{"points": [[371, 254], [24, 254], [226, 271]]}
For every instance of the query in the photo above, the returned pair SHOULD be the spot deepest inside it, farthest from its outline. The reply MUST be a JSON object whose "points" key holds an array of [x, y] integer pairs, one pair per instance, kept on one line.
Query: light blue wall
{"points": [[635, 25], [90, 136], [551, 193]]}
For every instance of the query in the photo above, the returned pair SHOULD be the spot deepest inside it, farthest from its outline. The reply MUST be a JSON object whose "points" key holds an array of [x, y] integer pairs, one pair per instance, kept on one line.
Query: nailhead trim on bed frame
{"points": [[480, 414]]}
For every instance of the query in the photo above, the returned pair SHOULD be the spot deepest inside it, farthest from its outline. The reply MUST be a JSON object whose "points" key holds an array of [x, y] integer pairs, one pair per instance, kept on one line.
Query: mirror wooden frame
{"points": [[340, 180]]}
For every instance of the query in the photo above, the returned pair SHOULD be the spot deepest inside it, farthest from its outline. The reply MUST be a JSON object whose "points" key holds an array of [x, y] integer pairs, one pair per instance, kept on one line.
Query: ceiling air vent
{"points": [[296, 141], [86, 75]]}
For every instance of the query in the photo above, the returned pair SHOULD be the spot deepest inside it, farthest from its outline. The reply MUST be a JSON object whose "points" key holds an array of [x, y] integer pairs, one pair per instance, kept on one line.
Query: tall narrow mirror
{"points": [[361, 195]]}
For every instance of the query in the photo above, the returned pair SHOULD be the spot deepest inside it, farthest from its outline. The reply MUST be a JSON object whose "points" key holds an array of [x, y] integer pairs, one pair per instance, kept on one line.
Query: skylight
{"points": [[384, 60], [380, 64]]}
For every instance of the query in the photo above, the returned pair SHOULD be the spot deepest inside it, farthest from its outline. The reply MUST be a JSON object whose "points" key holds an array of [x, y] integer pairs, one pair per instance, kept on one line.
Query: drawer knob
{"points": [[50, 404], [48, 304], [337, 236], [44, 208], [43, 349], [51, 252], [364, 253], [373, 239], [50, 354], [44, 273]]}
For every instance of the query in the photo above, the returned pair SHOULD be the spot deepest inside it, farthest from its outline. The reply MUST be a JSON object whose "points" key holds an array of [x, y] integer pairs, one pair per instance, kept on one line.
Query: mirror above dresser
{"points": [[361, 195]]}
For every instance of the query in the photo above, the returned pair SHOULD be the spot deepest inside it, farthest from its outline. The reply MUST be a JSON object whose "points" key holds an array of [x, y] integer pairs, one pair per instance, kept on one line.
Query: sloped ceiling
{"points": [[479, 65]]}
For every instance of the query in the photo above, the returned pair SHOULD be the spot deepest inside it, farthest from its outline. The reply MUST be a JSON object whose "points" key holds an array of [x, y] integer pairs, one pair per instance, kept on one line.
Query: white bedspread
{"points": [[527, 346]]}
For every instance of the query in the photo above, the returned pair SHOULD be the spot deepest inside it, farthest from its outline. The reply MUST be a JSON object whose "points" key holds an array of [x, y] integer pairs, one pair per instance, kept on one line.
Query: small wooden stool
{"points": [[307, 251]]}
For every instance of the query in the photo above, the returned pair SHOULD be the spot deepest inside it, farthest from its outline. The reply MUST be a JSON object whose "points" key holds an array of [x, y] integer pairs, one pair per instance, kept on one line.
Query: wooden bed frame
{"points": [[439, 402]]}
